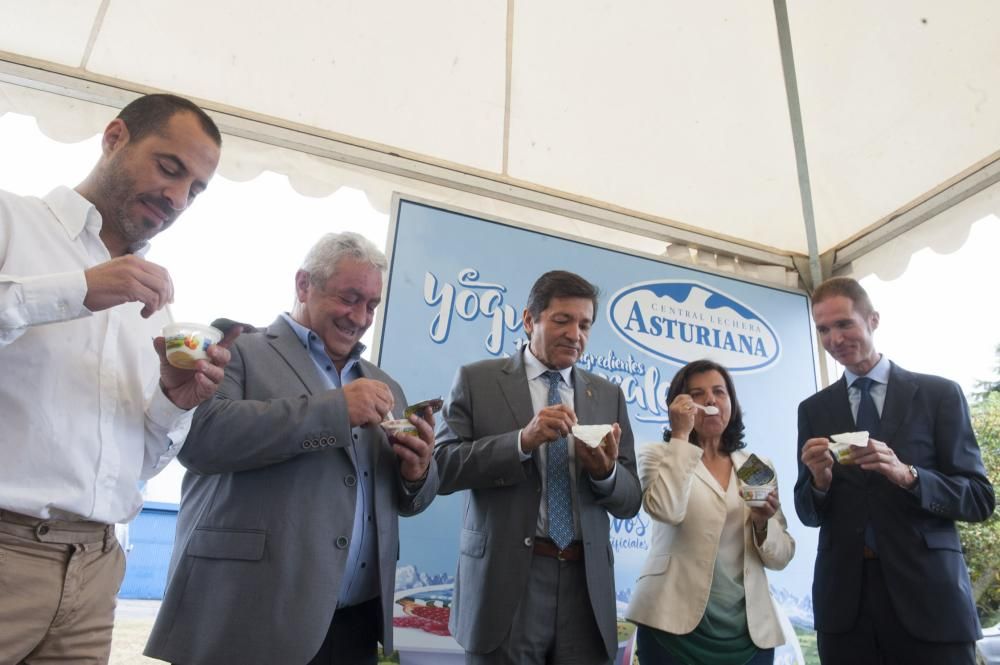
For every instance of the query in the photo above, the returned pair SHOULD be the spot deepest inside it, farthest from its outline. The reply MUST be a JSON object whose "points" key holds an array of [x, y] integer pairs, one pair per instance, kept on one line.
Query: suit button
{"points": [[324, 441], [350, 481], [43, 529], [342, 542], [305, 444], [315, 443], [528, 542]]}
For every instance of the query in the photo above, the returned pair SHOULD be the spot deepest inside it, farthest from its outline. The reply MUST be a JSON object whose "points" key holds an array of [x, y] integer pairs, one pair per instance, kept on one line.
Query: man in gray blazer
{"points": [[535, 580], [287, 537]]}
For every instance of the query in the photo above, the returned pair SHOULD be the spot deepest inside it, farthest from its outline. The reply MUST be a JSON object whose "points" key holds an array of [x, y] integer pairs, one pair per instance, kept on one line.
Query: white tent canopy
{"points": [[668, 122]]}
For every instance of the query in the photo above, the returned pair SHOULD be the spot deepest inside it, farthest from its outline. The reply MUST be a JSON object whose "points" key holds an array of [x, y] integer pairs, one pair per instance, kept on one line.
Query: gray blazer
{"points": [[267, 512], [477, 451]]}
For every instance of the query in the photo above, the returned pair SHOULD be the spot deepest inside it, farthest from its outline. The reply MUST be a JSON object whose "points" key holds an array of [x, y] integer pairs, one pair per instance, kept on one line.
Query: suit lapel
{"points": [[583, 398], [841, 418], [514, 387], [898, 397], [288, 345], [704, 475]]}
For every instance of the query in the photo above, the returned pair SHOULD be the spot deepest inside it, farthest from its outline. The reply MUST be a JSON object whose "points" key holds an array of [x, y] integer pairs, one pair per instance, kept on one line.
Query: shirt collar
{"points": [[534, 368], [314, 344], [77, 214], [879, 373]]}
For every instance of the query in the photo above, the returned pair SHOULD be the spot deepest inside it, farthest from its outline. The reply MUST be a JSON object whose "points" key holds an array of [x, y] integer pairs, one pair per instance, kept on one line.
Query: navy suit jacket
{"points": [[925, 420]]}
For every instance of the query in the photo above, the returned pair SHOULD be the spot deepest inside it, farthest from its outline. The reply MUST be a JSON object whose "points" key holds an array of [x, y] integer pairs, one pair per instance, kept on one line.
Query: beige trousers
{"points": [[58, 586]]}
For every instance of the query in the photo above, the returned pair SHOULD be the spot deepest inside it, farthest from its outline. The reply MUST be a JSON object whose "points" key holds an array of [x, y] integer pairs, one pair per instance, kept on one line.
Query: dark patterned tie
{"points": [[867, 419], [557, 488]]}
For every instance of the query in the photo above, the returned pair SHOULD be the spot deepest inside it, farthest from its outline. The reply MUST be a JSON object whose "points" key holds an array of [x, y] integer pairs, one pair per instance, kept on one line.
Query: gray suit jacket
{"points": [[477, 451], [267, 512]]}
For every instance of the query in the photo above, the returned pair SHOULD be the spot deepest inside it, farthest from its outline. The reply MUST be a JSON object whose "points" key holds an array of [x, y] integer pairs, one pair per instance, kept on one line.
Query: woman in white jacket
{"points": [[702, 597]]}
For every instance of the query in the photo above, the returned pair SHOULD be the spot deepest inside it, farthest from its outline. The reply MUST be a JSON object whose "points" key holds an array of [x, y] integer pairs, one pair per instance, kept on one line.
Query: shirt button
{"points": [[342, 542], [527, 542]]}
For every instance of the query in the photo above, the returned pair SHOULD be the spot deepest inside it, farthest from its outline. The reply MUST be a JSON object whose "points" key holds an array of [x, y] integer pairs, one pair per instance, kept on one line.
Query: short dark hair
{"points": [[732, 436], [559, 284], [150, 113], [848, 288]]}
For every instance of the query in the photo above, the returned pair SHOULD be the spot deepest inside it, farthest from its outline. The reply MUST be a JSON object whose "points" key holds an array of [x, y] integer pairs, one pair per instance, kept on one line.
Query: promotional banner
{"points": [[457, 288]]}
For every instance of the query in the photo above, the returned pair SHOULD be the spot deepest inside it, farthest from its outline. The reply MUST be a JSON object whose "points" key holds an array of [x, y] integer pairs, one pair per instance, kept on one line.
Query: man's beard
{"points": [[120, 195]]}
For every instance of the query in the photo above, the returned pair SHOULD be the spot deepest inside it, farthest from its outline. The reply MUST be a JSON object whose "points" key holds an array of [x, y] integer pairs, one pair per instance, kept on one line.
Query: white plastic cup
{"points": [[755, 495], [188, 342]]}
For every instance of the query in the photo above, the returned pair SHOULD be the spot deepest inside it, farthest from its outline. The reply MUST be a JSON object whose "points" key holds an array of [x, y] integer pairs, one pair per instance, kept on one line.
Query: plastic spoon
{"points": [[709, 410]]}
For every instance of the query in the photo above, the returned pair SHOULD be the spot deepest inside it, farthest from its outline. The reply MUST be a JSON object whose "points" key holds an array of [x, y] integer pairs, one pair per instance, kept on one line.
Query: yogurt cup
{"points": [[187, 343], [756, 495], [399, 426], [842, 452], [841, 444]]}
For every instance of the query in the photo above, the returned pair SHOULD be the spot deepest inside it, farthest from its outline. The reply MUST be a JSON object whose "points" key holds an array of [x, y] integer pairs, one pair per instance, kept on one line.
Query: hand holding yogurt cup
{"points": [[841, 445], [187, 343], [412, 440], [192, 368]]}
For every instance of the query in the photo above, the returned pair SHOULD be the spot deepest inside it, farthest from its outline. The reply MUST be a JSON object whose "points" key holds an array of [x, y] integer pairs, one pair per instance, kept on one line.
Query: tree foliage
{"points": [[990, 385], [981, 541]]}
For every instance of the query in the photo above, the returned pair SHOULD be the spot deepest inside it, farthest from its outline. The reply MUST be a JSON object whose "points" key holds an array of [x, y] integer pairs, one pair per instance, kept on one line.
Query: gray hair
{"points": [[322, 259]]}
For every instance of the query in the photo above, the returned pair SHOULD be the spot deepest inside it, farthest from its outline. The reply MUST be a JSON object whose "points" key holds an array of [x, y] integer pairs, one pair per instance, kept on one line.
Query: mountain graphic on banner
{"points": [[409, 577]]}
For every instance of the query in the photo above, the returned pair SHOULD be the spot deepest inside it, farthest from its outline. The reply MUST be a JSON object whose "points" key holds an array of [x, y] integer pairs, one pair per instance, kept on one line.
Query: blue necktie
{"points": [[557, 488], [867, 419]]}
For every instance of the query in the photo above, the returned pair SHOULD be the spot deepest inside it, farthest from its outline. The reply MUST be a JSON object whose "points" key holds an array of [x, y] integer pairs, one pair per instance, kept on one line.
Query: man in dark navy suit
{"points": [[890, 583]]}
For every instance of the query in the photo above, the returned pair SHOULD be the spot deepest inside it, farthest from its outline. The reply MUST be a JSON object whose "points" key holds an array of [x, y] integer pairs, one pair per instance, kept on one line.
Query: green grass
{"points": [[807, 640]]}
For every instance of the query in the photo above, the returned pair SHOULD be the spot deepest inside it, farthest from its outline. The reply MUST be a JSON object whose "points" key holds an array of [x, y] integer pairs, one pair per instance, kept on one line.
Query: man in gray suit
{"points": [[535, 580], [287, 537]]}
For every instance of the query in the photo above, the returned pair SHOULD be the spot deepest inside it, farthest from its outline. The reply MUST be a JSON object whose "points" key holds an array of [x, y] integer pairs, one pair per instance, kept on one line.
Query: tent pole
{"points": [[815, 272], [815, 275]]}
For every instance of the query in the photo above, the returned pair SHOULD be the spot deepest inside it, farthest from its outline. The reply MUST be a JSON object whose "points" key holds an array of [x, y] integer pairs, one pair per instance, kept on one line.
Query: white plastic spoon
{"points": [[709, 410]]}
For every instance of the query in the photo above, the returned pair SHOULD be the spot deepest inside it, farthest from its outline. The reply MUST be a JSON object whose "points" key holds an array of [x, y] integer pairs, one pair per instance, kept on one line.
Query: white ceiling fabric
{"points": [[660, 110]]}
